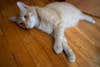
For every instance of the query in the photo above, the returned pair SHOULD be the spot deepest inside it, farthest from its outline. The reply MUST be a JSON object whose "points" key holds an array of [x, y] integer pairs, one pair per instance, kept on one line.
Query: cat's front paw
{"points": [[58, 48]]}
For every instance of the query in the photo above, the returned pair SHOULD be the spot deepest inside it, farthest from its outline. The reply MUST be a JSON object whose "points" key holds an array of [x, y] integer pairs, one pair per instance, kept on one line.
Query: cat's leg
{"points": [[68, 51], [58, 35]]}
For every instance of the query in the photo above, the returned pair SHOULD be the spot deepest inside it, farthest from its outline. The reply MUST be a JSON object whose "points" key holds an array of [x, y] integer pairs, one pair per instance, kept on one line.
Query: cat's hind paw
{"points": [[72, 58]]}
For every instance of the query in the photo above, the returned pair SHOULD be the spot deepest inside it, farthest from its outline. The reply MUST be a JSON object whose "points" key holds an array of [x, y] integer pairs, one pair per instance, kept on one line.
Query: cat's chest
{"points": [[46, 27]]}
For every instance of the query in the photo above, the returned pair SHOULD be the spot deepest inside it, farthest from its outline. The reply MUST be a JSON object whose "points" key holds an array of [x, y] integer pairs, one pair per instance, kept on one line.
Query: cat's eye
{"points": [[25, 16], [21, 23]]}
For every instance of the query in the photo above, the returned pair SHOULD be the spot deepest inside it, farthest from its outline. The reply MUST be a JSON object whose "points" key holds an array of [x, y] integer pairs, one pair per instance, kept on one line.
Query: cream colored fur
{"points": [[54, 18]]}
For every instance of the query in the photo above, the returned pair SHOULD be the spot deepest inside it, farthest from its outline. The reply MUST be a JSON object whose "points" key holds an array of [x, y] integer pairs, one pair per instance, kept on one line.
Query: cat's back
{"points": [[68, 12], [60, 12], [63, 7]]}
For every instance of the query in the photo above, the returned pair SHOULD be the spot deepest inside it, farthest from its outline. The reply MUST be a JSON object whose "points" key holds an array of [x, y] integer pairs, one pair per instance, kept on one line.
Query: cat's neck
{"points": [[38, 16]]}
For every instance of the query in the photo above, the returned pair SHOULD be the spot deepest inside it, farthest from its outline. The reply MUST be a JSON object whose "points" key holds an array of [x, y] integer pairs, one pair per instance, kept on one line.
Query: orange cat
{"points": [[53, 18]]}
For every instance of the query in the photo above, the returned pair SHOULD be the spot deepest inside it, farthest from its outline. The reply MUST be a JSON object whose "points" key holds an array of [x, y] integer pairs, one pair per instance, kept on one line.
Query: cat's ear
{"points": [[13, 19], [22, 6]]}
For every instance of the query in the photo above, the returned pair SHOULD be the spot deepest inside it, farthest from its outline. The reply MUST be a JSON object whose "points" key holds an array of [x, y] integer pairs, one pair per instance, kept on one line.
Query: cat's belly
{"points": [[46, 27]]}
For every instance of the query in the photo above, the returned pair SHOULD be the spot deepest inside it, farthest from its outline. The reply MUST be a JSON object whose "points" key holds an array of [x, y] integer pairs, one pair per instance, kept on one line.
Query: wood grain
{"points": [[33, 48], [88, 6]]}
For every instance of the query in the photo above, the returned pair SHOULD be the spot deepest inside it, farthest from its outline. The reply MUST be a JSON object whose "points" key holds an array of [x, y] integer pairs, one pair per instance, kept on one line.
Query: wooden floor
{"points": [[33, 48]]}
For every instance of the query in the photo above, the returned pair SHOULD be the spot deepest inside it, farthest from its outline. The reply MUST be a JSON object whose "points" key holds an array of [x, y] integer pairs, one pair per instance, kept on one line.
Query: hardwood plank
{"points": [[87, 6]]}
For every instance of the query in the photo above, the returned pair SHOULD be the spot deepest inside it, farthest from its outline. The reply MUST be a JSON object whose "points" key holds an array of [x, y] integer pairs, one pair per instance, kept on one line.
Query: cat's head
{"points": [[27, 17]]}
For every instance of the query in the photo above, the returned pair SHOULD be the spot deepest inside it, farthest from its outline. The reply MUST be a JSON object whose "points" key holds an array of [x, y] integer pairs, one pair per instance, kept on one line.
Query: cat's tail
{"points": [[88, 18]]}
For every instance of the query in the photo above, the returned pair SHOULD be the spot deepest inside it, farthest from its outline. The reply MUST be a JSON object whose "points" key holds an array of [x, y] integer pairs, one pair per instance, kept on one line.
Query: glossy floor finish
{"points": [[33, 48]]}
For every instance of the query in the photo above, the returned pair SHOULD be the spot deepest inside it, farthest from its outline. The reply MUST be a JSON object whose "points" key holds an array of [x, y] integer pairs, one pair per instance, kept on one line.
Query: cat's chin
{"points": [[29, 27]]}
